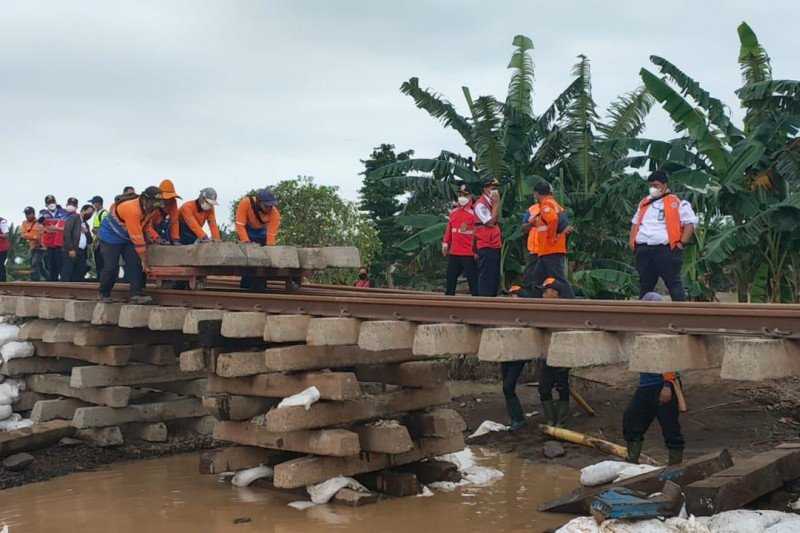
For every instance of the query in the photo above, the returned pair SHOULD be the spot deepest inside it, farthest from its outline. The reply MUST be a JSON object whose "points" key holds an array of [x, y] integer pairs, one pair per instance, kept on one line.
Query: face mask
{"points": [[655, 191], [463, 200], [362, 276], [205, 206], [51, 207], [71, 209]]}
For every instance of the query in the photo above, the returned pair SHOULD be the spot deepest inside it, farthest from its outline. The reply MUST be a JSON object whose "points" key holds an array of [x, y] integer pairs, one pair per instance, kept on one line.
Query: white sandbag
{"points": [[488, 426], [463, 459], [602, 472], [5, 411], [586, 524], [746, 521], [14, 422], [244, 477], [301, 505], [323, 492], [633, 471], [17, 350], [481, 475], [9, 391], [426, 492], [8, 333], [306, 398]]}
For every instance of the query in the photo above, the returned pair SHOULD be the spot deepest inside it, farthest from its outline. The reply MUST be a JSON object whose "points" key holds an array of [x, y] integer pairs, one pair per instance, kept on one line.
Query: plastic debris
{"points": [[244, 478], [602, 472], [8, 333], [15, 421], [633, 471], [488, 426], [301, 505], [307, 398], [323, 492]]}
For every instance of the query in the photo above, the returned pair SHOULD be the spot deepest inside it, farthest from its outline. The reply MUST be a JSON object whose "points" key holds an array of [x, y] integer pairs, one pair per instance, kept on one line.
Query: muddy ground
{"points": [[745, 418]]}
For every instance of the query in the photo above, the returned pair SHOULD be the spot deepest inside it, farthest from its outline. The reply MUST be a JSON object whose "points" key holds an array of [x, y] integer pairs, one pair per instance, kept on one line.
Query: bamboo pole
{"points": [[593, 442], [582, 403]]}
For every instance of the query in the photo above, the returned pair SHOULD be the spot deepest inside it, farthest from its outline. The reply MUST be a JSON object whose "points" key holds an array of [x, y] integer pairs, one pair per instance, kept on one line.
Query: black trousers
{"points": [[510, 371], [528, 286], [553, 377], [254, 283], [550, 266], [488, 271], [74, 268], [653, 262], [3, 256], [644, 408], [54, 259], [98, 260], [456, 265], [37, 264], [133, 268]]}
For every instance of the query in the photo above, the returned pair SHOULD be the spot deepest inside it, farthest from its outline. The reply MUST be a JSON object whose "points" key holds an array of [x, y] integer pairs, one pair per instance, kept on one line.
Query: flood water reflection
{"points": [[168, 495]]}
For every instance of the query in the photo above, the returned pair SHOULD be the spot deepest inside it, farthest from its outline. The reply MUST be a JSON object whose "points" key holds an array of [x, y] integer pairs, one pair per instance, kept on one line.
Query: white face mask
{"points": [[71, 208], [205, 206], [463, 200], [655, 191], [51, 207]]}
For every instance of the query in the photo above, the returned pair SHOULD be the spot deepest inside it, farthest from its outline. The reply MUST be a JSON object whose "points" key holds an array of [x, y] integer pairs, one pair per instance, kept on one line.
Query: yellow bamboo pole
{"points": [[592, 442]]}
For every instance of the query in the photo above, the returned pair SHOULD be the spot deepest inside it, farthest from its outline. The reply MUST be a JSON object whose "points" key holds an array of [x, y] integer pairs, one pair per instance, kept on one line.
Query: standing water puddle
{"points": [[168, 495]]}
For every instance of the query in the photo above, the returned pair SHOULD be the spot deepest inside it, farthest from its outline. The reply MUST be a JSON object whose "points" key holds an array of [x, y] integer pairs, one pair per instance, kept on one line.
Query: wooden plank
{"points": [[310, 470], [88, 417], [384, 437], [139, 374], [328, 442], [438, 423], [331, 385], [231, 407], [111, 335], [37, 365], [579, 501], [411, 374], [304, 357], [60, 385], [236, 458], [101, 355], [34, 437], [324, 414]]}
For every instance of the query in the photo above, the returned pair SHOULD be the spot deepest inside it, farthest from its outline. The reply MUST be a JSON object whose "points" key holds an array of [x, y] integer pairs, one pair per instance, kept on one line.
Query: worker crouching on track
{"points": [[553, 377], [196, 214], [122, 234], [257, 221], [656, 397], [662, 225], [166, 221], [458, 244]]}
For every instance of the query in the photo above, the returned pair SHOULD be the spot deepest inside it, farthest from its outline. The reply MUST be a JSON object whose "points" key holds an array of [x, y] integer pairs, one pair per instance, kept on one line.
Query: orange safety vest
{"points": [[672, 217], [533, 239], [550, 242]]}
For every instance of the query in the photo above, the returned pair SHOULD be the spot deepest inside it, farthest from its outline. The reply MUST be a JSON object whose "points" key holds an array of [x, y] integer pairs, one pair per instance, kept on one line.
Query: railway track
{"points": [[764, 320]]}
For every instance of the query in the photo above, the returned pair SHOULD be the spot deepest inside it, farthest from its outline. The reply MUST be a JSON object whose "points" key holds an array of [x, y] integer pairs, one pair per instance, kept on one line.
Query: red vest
{"points": [[487, 236], [5, 240], [460, 231], [53, 239]]}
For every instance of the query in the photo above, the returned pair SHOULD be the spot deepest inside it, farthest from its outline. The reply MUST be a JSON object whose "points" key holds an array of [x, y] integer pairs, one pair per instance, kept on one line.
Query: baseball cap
{"points": [[96, 200], [266, 196], [72, 201], [167, 190], [659, 176], [209, 195]]}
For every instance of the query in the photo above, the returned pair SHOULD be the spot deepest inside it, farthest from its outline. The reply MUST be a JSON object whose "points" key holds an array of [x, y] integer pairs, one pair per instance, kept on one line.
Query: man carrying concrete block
{"points": [[550, 377], [656, 397]]}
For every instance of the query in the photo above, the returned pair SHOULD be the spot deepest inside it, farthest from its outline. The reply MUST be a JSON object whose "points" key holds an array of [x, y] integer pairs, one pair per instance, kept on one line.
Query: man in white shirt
{"points": [[662, 226], [488, 238]]}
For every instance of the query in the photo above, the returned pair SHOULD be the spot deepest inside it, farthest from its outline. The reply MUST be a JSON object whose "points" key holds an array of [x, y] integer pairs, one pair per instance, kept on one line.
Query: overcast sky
{"points": [[98, 94]]}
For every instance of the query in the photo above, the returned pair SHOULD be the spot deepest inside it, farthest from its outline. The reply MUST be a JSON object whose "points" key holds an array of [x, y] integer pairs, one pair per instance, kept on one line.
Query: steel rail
{"points": [[777, 320]]}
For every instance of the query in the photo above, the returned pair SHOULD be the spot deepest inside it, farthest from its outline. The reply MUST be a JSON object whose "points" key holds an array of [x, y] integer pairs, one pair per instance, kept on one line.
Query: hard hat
{"points": [[167, 190], [209, 195]]}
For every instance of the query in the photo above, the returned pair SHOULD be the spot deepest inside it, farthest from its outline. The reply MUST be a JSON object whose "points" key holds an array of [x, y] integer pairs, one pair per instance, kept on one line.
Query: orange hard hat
{"points": [[168, 190], [514, 289]]}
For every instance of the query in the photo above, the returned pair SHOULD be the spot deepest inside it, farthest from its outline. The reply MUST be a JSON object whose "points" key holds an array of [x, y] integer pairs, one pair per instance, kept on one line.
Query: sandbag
{"points": [[323, 492], [9, 392], [14, 422], [5, 411], [8, 333], [16, 350], [633, 471], [244, 477], [306, 398], [602, 472]]}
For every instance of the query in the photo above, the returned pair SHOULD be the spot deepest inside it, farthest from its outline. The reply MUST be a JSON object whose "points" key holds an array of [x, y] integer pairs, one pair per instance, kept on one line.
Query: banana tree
{"points": [[745, 178]]}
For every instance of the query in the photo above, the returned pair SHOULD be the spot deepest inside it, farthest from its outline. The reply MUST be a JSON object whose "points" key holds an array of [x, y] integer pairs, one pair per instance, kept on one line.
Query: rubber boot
{"points": [[634, 451], [675, 456], [562, 413], [514, 408], [550, 415]]}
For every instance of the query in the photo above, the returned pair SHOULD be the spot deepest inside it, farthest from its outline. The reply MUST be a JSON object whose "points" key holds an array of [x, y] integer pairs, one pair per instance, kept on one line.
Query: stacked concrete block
{"points": [[231, 254]]}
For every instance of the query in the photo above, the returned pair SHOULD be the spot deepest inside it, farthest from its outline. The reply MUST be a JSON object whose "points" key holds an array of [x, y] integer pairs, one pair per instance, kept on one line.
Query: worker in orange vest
{"points": [[532, 244], [552, 229], [661, 227], [195, 214], [32, 232], [166, 221], [488, 238], [122, 233], [257, 221], [654, 398]]}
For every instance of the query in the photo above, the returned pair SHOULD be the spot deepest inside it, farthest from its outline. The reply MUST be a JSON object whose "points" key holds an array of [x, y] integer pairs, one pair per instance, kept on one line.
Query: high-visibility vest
{"points": [[533, 234], [672, 217], [545, 245]]}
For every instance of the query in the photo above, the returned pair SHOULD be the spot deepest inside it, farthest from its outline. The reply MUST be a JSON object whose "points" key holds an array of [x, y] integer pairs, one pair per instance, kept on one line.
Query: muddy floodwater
{"points": [[168, 495]]}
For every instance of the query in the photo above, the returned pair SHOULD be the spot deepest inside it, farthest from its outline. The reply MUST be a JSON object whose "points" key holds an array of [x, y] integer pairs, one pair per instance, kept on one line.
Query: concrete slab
{"points": [[52, 308], [436, 423], [754, 359], [139, 374], [584, 348], [286, 328], [196, 315], [27, 307], [376, 335], [159, 255], [146, 431], [305, 357], [101, 355], [167, 318], [342, 256], [423, 374], [667, 353], [331, 442], [34, 437], [36, 365], [35, 329], [384, 436], [333, 331], [89, 417], [235, 458], [218, 254], [331, 385], [194, 360], [134, 316], [60, 385], [235, 364], [79, 310], [511, 344], [446, 339], [63, 409], [234, 407], [8, 305], [272, 256], [101, 437], [243, 324], [64, 332], [311, 259], [106, 314]]}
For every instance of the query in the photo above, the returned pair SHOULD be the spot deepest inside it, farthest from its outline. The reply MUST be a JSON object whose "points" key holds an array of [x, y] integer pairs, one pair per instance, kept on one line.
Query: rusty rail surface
{"points": [[781, 321]]}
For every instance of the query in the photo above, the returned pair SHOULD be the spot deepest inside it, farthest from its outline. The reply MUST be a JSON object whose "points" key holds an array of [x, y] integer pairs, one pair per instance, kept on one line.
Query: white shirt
{"points": [[653, 229], [483, 212], [82, 242]]}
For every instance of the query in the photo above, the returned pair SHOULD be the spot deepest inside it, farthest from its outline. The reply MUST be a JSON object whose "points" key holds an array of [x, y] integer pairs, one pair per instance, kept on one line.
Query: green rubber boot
{"points": [[562, 413], [675, 456], [550, 415], [634, 451]]}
